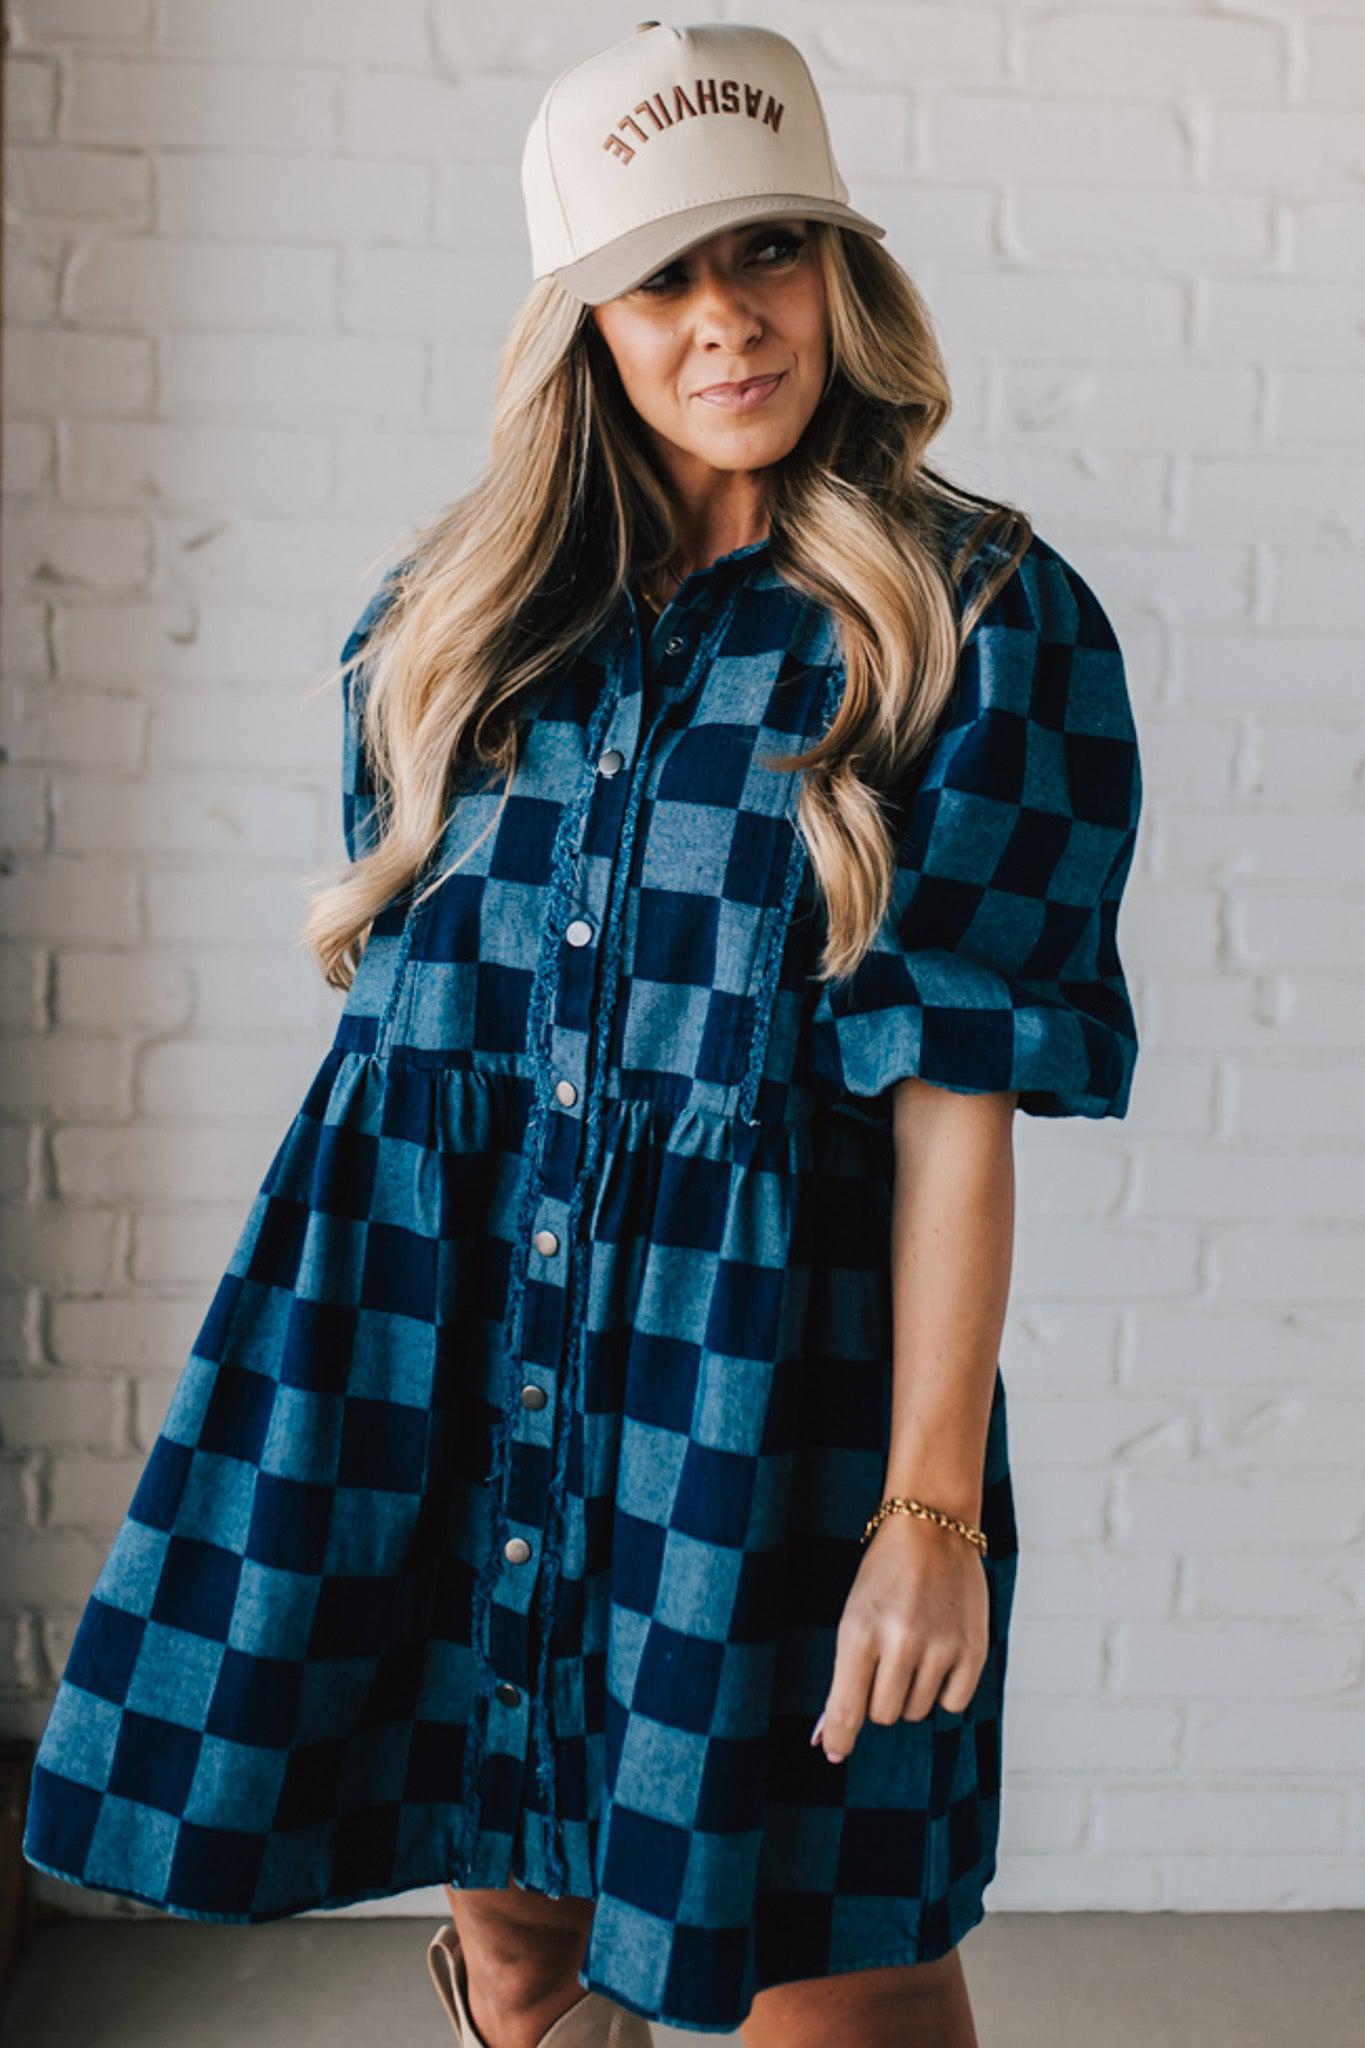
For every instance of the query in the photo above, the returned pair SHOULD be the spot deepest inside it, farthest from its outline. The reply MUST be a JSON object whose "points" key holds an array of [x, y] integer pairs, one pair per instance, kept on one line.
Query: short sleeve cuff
{"points": [[960, 1025]]}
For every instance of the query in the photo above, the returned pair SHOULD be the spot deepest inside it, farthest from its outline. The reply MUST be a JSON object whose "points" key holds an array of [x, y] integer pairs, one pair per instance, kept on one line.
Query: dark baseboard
{"points": [[16, 1897]]}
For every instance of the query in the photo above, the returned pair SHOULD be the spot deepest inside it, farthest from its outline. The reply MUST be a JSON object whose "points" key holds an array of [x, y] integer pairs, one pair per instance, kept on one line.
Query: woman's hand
{"points": [[914, 1631]]}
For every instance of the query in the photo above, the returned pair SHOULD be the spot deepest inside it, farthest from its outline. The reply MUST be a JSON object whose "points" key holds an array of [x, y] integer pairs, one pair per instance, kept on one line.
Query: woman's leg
{"points": [[523, 1952], [907, 2005]]}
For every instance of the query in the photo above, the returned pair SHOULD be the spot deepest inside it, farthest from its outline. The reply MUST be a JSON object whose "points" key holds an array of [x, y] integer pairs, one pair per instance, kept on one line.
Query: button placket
{"points": [[505, 1586], [569, 1026], [514, 1579], [582, 930], [609, 878], [578, 1002], [598, 908]]}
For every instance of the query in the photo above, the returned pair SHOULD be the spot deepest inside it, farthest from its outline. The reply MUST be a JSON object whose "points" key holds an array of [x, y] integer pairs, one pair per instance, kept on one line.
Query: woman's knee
{"points": [[902, 2005], [523, 1945]]}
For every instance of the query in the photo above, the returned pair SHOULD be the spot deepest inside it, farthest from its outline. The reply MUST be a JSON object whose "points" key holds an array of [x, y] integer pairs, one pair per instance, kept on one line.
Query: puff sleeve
{"points": [[359, 822], [997, 965]]}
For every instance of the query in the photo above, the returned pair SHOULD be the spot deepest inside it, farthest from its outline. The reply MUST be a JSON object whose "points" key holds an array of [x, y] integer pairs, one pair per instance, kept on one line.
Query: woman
{"points": [[590, 1487]]}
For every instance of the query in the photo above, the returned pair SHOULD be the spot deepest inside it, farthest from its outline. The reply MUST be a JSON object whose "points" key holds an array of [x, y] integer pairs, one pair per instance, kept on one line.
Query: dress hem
{"points": [[126, 1891], [683, 2022], [880, 1960]]}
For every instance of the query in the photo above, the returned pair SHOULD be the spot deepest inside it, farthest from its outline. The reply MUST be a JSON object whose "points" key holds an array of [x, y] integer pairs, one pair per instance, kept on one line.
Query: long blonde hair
{"points": [[497, 588]]}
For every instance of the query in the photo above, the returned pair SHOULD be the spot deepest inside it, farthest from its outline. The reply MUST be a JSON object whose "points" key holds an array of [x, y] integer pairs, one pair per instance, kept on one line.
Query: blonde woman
{"points": [[590, 1488]]}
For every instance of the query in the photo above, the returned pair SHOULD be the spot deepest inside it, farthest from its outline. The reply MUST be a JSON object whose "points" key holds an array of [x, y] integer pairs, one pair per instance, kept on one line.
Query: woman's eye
{"points": [[784, 241]]}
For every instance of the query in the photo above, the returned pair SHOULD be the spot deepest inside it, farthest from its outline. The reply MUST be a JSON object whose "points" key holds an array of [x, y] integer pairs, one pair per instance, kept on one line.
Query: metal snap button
{"points": [[578, 931], [609, 762], [675, 645], [567, 1093], [532, 1396], [508, 1693], [516, 1550], [547, 1242]]}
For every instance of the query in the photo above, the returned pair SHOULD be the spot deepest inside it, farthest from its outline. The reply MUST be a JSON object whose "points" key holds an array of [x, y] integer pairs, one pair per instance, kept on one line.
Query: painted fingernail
{"points": [[815, 1731], [835, 1756]]}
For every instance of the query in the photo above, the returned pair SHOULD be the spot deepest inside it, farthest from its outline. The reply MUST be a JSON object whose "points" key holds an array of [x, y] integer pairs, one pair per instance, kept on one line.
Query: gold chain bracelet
{"points": [[896, 1504]]}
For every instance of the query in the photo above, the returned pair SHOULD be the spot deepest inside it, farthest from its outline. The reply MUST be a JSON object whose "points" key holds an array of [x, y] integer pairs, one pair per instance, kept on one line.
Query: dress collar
{"points": [[719, 564]]}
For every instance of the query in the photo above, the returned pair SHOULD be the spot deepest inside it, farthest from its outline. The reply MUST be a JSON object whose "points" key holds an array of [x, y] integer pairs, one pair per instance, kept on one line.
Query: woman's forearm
{"points": [[952, 1240]]}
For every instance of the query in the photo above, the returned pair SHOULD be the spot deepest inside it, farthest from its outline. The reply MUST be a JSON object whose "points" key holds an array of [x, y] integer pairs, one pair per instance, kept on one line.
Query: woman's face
{"points": [[746, 303]]}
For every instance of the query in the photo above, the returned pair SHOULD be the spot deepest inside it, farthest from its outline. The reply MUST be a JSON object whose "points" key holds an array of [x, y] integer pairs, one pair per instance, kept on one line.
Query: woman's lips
{"points": [[745, 397]]}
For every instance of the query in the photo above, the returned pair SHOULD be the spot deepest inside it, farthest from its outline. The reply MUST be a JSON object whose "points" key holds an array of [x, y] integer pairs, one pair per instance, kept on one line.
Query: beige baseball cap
{"points": [[666, 137]]}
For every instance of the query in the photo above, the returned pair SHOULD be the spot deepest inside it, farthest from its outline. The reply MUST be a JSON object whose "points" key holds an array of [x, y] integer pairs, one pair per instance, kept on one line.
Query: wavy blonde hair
{"points": [[497, 588]]}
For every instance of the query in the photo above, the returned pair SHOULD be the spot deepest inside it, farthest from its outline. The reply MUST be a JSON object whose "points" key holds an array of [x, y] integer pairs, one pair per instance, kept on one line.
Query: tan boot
{"points": [[596, 2021]]}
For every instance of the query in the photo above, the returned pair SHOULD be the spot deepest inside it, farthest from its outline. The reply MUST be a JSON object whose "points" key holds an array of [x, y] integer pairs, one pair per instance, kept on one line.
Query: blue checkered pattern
{"points": [[503, 1514]]}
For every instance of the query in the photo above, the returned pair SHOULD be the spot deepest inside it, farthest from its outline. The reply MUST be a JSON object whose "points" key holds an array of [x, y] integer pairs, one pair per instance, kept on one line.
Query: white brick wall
{"points": [[260, 253]]}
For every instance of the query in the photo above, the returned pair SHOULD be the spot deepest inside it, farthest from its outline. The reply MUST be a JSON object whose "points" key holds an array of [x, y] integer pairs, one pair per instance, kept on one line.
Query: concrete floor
{"points": [[1038, 1980]]}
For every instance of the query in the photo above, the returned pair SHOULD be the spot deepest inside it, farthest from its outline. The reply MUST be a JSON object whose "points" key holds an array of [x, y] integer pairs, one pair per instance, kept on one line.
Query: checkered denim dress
{"points": [[504, 1512]]}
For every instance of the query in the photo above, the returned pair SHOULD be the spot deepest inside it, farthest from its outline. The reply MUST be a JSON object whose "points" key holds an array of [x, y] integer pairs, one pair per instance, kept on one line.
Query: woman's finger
{"points": [[930, 1672], [959, 1689], [855, 1658], [898, 1652]]}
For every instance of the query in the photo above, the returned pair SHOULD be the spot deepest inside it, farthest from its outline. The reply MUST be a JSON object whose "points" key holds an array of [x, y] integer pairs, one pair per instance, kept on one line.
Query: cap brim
{"points": [[632, 257]]}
